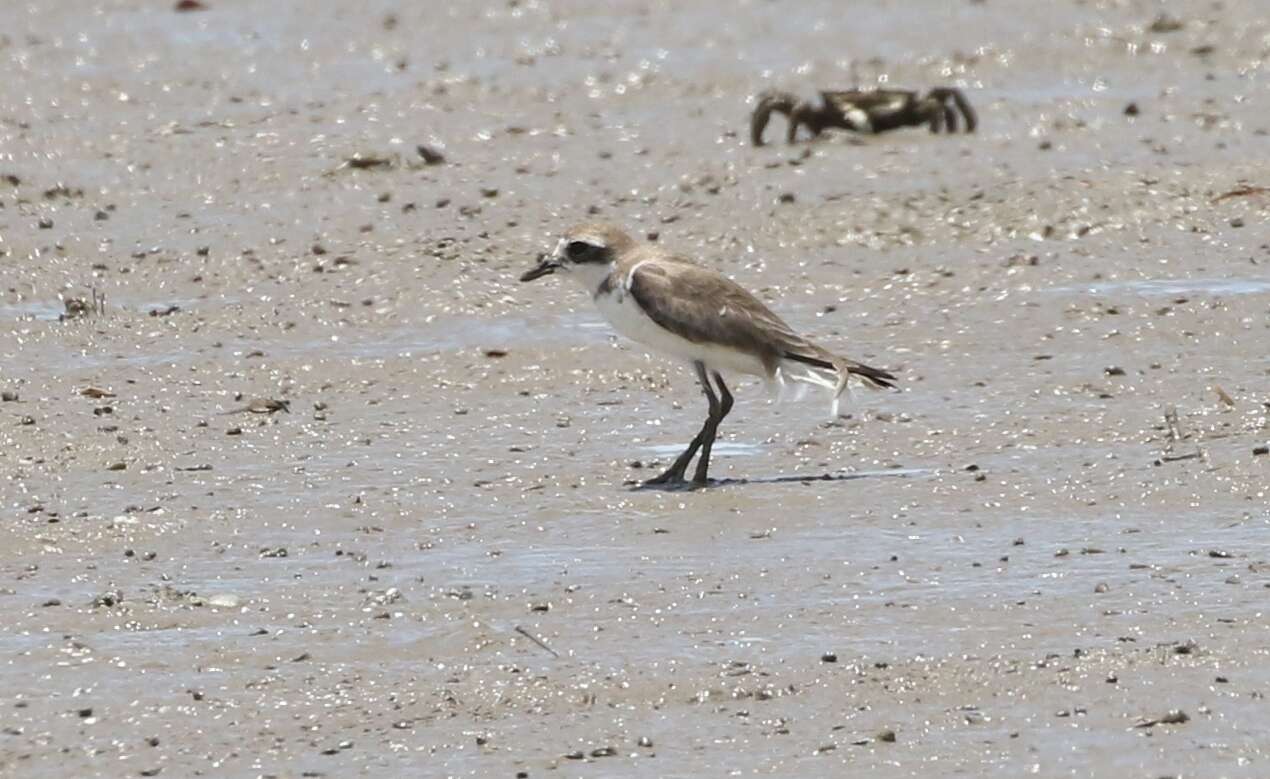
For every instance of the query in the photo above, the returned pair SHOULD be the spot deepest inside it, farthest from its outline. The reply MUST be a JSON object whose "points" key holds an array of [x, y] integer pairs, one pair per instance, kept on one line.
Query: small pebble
{"points": [[430, 155]]}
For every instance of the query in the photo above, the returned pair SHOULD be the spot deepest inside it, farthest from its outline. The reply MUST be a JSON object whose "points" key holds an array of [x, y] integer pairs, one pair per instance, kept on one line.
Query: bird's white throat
{"points": [[590, 275]]}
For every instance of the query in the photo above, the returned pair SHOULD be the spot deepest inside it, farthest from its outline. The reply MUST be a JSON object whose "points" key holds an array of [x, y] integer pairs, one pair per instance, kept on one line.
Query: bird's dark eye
{"points": [[578, 250]]}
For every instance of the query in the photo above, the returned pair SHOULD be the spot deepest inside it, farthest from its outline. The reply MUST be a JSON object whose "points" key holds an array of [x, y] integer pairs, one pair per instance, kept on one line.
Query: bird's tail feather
{"points": [[795, 372]]}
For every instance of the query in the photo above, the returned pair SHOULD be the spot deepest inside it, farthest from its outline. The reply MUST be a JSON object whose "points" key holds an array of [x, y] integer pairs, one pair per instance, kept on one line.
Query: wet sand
{"points": [[1045, 556]]}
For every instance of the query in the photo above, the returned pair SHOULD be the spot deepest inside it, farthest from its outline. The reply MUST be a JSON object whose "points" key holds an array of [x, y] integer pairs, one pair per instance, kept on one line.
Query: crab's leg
{"points": [[933, 109], [950, 117], [945, 94]]}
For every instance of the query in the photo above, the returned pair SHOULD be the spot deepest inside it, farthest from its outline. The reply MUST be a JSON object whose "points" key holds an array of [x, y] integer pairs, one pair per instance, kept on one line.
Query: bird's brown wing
{"points": [[704, 307]]}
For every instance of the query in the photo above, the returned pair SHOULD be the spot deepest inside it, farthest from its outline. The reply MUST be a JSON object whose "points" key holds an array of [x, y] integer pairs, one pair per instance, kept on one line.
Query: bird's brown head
{"points": [[591, 246]]}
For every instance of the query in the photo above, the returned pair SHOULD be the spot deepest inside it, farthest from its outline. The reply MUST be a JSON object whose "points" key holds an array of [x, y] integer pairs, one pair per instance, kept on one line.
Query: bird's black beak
{"points": [[545, 267]]}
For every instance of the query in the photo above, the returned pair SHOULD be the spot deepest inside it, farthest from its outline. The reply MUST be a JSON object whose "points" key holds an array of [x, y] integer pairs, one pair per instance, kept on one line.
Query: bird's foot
{"points": [[669, 482], [672, 475]]}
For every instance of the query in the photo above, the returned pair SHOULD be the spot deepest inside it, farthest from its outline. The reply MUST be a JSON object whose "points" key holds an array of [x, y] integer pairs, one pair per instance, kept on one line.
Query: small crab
{"points": [[865, 111]]}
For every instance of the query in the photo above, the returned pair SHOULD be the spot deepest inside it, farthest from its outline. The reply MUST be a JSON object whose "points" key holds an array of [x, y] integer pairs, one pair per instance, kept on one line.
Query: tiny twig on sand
{"points": [[1175, 427], [536, 640], [1173, 435], [1242, 191], [82, 307], [1174, 717]]}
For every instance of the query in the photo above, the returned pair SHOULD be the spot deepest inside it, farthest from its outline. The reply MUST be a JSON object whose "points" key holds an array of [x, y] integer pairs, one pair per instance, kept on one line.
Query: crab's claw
{"points": [[546, 266], [769, 101]]}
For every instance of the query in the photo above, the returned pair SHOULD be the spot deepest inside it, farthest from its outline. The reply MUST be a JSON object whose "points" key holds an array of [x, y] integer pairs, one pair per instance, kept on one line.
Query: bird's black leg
{"points": [[718, 411], [675, 473]]}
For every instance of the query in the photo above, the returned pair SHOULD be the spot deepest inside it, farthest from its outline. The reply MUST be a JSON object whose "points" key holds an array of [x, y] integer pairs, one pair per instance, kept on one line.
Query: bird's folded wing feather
{"points": [[705, 307]]}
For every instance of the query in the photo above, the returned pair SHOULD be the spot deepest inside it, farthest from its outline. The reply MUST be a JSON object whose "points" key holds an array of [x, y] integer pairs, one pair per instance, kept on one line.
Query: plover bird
{"points": [[672, 305]]}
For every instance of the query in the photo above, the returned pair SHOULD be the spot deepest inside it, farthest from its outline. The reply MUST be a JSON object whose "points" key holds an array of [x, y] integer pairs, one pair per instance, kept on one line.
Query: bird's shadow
{"points": [[692, 486]]}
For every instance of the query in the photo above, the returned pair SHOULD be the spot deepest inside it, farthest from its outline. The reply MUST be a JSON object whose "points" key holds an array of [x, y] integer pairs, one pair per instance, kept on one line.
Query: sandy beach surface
{"points": [[1046, 556]]}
